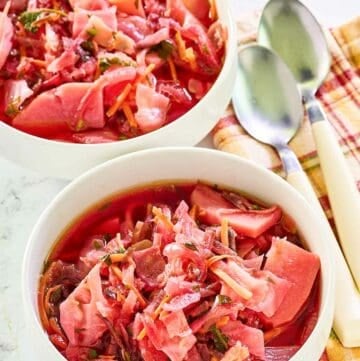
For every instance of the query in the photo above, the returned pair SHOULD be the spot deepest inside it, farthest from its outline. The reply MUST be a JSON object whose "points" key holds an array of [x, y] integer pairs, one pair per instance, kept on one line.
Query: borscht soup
{"points": [[100, 71], [180, 271]]}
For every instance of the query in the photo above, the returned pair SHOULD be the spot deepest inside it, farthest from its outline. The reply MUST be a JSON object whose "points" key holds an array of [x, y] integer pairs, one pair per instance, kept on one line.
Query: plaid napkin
{"points": [[340, 97]]}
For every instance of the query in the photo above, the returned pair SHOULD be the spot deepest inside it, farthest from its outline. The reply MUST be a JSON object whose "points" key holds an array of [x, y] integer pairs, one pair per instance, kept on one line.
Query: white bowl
{"points": [[68, 160], [168, 164]]}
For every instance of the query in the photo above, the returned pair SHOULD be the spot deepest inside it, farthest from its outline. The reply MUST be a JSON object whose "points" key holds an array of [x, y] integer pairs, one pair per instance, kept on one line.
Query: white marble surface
{"points": [[24, 195]]}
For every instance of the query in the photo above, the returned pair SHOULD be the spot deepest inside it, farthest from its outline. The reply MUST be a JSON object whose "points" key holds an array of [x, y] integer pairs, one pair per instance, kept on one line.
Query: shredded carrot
{"points": [[213, 11], [129, 115], [157, 212], [269, 335], [118, 273], [222, 321], [149, 69], [172, 69], [120, 297], [210, 261], [38, 62], [118, 257], [190, 57], [139, 296], [45, 19], [240, 290], [154, 316], [98, 70], [194, 211], [185, 54], [159, 308], [141, 334], [41, 296], [22, 51], [225, 232], [214, 358], [119, 100], [181, 47], [56, 327]]}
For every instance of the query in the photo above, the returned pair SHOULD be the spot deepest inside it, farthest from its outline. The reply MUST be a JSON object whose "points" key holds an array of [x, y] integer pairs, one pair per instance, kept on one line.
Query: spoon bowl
{"points": [[303, 47], [263, 83]]}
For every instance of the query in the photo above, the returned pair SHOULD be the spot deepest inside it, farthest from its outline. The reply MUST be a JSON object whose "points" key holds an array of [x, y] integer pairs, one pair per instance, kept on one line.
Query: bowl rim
{"points": [[327, 292], [230, 50]]}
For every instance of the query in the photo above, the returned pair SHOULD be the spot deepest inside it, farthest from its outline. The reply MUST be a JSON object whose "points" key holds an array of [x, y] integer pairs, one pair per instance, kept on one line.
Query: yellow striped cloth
{"points": [[340, 96]]}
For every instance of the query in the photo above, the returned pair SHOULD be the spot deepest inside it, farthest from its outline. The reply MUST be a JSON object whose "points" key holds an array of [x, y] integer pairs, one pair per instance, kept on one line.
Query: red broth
{"points": [[119, 215], [49, 50]]}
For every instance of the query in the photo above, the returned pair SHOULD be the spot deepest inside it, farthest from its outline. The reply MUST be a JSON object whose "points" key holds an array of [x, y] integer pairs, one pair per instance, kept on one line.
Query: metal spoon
{"points": [[289, 28], [268, 105]]}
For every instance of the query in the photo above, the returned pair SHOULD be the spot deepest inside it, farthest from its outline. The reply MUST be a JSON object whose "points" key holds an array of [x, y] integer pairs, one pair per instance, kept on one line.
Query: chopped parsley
{"points": [[30, 18], [164, 49], [12, 108], [27, 18], [223, 299], [97, 244], [106, 259], [190, 246], [88, 46], [105, 63], [91, 32], [220, 340], [255, 207], [92, 354], [79, 330], [196, 288]]}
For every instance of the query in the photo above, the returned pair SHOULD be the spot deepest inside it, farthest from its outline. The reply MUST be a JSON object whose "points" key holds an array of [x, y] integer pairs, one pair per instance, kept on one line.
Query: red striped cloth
{"points": [[340, 97]]}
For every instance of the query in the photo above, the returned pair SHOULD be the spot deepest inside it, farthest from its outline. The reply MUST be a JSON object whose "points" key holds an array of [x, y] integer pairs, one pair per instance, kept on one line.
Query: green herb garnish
{"points": [[12, 108], [29, 18], [255, 207], [91, 32], [56, 295], [79, 330], [106, 259], [164, 49], [105, 63], [92, 354], [196, 288], [220, 340], [190, 246], [88, 46], [97, 244], [120, 250], [223, 300]]}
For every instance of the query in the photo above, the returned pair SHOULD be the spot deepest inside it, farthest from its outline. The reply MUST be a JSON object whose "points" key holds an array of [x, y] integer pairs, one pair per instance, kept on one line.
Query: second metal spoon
{"points": [[268, 105], [290, 29]]}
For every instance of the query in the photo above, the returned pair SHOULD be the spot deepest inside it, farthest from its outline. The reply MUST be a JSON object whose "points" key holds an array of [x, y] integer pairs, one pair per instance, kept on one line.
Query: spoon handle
{"points": [[343, 193], [347, 297]]}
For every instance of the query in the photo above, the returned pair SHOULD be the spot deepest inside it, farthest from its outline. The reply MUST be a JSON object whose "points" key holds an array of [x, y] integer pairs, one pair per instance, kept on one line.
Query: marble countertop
{"points": [[24, 195]]}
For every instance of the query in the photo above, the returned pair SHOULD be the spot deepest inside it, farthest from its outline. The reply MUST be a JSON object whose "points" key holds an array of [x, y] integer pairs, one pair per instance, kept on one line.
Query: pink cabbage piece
{"points": [[300, 268], [6, 35], [152, 108], [176, 347], [81, 313]]}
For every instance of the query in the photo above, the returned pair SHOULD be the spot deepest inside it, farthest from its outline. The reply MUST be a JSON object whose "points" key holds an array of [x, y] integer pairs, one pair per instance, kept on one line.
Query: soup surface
{"points": [[180, 272], [99, 71]]}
